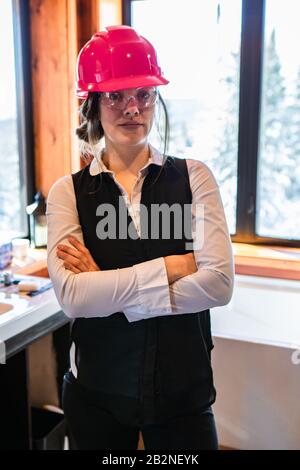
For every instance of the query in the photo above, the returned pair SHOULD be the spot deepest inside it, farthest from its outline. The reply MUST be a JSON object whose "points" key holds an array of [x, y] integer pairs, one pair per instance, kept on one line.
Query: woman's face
{"points": [[131, 125]]}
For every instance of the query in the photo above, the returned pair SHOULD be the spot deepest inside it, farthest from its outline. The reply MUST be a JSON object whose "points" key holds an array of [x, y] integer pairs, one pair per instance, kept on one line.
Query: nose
{"points": [[131, 108]]}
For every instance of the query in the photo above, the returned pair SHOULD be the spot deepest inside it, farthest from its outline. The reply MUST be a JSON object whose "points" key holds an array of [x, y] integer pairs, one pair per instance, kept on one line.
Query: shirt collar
{"points": [[155, 157]]}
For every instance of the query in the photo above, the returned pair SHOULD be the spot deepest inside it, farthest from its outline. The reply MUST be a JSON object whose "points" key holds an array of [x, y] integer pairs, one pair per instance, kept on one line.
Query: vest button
{"points": [[156, 391]]}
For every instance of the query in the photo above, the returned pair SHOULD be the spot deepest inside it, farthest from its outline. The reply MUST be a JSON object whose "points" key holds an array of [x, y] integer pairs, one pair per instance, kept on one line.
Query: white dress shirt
{"points": [[142, 291]]}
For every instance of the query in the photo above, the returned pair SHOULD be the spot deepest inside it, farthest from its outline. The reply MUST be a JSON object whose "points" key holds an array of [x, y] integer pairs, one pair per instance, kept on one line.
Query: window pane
{"points": [[278, 199], [11, 192], [198, 45]]}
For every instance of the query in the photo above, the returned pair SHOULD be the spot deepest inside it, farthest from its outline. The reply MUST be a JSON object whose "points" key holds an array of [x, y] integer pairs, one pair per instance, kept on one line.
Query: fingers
{"points": [[70, 251], [68, 258], [77, 259], [79, 246], [73, 257], [72, 268], [89, 261], [64, 249]]}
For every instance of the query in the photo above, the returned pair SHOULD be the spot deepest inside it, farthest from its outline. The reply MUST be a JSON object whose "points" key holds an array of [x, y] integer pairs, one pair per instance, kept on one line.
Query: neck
{"points": [[123, 159]]}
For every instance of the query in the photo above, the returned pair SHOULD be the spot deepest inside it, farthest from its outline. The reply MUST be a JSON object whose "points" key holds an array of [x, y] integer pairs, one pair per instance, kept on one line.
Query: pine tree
{"points": [[272, 179], [292, 142], [224, 161], [225, 158]]}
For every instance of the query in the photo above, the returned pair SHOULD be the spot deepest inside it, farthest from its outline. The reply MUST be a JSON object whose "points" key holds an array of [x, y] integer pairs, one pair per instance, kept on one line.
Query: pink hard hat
{"points": [[117, 59]]}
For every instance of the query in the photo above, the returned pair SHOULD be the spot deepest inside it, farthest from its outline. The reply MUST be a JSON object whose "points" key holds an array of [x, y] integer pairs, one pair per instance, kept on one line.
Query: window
{"points": [[234, 104], [203, 94], [15, 120], [278, 200]]}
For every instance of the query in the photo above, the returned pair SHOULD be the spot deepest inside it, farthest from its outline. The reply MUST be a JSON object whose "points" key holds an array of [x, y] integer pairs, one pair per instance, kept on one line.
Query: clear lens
{"points": [[144, 97]]}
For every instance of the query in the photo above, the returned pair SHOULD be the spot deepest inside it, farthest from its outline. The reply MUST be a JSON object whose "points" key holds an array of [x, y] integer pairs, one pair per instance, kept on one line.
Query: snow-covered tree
{"points": [[272, 175]]}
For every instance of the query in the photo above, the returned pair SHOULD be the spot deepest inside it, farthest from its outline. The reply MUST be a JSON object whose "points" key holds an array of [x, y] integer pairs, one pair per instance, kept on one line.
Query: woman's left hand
{"points": [[77, 259]]}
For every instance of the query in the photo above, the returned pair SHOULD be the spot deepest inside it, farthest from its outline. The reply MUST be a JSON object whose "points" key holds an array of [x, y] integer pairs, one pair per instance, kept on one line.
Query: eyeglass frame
{"points": [[113, 107]]}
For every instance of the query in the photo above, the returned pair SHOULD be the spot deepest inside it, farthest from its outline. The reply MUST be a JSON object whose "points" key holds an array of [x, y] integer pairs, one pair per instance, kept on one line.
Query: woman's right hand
{"points": [[179, 266]]}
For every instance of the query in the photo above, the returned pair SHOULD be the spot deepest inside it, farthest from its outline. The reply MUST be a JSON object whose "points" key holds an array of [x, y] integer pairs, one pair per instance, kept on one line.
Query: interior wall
{"points": [[258, 389]]}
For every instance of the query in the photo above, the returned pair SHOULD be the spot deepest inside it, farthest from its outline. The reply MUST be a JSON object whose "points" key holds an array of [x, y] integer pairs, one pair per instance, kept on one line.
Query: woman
{"points": [[141, 341]]}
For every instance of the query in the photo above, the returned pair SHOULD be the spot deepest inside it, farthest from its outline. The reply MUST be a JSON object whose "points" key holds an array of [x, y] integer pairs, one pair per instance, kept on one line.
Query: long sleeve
{"points": [[141, 289], [212, 284]]}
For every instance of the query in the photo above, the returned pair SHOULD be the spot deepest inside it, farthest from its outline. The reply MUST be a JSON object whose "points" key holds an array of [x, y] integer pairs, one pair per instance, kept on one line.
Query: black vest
{"points": [[164, 359]]}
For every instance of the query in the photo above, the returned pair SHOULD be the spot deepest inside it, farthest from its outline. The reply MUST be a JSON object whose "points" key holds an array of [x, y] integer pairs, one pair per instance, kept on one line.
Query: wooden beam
{"points": [[52, 27], [87, 20], [74, 102]]}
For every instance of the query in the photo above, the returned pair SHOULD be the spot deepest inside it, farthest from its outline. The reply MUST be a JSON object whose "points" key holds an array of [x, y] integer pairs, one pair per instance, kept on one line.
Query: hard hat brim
{"points": [[120, 84]]}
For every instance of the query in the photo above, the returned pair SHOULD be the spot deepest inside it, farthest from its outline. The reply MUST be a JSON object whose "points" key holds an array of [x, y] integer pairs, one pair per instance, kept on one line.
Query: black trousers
{"points": [[99, 421]]}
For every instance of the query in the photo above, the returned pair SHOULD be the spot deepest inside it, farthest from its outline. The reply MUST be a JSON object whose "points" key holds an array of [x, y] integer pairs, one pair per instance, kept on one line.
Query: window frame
{"points": [[22, 50], [251, 60]]}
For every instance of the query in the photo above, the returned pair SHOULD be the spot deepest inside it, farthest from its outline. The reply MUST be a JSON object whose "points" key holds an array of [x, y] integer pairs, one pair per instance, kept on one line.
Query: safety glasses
{"points": [[144, 97]]}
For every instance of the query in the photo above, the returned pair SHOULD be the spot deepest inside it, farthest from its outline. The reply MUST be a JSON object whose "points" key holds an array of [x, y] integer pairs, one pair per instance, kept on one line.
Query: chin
{"points": [[133, 141]]}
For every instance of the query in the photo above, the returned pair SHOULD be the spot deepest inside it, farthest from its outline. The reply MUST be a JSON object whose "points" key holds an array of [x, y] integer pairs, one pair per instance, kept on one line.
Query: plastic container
{"points": [[6, 253]]}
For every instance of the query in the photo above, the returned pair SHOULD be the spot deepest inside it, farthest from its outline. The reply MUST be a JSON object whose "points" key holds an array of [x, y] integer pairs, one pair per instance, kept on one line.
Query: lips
{"points": [[131, 124]]}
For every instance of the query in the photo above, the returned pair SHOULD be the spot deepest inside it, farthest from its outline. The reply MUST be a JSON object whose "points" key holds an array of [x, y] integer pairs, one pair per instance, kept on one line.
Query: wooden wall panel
{"points": [[87, 20], [59, 28], [53, 45]]}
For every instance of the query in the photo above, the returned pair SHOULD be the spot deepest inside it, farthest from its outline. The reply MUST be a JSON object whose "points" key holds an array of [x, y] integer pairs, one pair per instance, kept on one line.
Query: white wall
{"points": [[258, 396]]}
